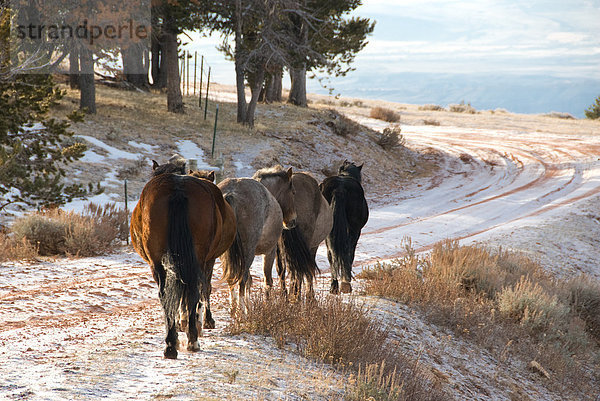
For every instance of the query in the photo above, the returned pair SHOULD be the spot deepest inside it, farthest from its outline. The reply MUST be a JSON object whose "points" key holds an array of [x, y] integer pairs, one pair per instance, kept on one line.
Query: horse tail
{"points": [[234, 263], [339, 236], [293, 252], [183, 273]]}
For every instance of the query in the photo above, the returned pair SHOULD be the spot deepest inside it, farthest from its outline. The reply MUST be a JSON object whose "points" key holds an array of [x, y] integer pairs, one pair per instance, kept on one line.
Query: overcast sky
{"points": [[532, 36], [555, 38]]}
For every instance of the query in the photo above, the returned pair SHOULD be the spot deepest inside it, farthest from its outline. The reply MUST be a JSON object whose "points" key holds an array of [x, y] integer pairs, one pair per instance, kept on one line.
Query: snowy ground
{"points": [[92, 328]]}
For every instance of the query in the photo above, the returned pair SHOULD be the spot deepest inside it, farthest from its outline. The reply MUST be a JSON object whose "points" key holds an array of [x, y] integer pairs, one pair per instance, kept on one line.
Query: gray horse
{"points": [[313, 224], [262, 206]]}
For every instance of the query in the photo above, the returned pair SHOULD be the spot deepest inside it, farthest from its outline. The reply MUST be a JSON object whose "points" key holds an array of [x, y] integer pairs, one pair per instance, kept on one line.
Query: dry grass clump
{"points": [[431, 107], [462, 108], [584, 296], [341, 125], [529, 304], [381, 113], [499, 298], [342, 334], [13, 249], [57, 232], [391, 138], [431, 121]]}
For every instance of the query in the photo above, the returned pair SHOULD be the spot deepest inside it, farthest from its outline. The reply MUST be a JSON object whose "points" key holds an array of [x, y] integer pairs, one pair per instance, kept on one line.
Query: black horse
{"points": [[345, 194]]}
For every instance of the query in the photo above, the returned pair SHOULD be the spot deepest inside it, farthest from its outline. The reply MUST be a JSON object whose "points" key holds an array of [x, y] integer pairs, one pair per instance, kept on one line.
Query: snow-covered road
{"points": [[493, 181]]}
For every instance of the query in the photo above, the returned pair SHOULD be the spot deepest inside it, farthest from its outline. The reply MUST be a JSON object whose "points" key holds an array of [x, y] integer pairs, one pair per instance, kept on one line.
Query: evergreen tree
{"points": [[334, 38], [35, 149], [593, 112]]}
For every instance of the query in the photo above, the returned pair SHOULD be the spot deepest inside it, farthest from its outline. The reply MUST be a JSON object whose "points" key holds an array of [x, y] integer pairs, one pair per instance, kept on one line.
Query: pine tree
{"points": [[593, 112], [34, 148]]}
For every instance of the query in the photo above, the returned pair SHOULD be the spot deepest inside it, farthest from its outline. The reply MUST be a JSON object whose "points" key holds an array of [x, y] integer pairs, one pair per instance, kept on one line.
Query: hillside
{"points": [[92, 327]]}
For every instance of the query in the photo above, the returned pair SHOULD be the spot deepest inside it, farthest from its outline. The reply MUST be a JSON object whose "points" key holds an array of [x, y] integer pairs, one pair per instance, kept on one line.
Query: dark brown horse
{"points": [[179, 226]]}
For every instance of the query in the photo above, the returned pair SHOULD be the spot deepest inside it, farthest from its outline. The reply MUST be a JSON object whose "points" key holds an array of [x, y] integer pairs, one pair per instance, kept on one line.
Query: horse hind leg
{"points": [[268, 260], [193, 326], [244, 294], [346, 287], [334, 289], [206, 315]]}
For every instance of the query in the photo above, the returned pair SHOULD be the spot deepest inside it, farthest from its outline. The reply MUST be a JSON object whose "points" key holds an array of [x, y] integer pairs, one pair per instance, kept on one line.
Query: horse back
{"points": [[356, 208], [315, 217], [258, 215], [150, 222]]}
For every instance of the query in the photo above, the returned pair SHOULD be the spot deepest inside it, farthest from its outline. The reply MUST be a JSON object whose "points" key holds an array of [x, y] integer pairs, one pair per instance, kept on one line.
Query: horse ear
{"points": [[289, 173], [154, 164], [361, 166], [211, 176]]}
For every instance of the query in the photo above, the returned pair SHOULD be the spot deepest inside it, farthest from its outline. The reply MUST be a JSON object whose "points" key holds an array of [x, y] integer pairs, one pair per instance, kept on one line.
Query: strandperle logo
{"points": [[46, 30], [83, 31]]}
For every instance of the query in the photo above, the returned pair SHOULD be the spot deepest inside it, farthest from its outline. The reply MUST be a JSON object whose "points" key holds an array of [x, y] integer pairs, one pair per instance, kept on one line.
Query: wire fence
{"points": [[195, 74]]}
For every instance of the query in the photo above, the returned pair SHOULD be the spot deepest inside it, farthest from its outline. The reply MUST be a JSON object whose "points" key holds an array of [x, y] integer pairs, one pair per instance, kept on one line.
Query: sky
{"points": [[560, 38], [548, 40]]}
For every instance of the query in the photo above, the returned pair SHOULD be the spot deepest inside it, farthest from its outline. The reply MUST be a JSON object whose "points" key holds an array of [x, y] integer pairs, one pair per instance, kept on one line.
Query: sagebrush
{"points": [[59, 232], [381, 113], [343, 334], [496, 298]]}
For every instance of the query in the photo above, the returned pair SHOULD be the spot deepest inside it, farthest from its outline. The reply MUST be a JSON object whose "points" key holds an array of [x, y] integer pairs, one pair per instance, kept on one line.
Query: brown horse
{"points": [[297, 248], [262, 206], [178, 228]]}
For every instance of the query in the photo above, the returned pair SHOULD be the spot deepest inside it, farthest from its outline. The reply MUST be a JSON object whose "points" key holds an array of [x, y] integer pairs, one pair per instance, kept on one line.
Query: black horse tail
{"points": [[183, 273], [293, 252], [340, 241], [234, 263]]}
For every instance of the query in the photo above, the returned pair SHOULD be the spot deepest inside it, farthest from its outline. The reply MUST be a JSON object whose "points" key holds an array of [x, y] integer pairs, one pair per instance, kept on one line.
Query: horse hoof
{"points": [[334, 287], [346, 288], [170, 352], [182, 325], [209, 324], [194, 346]]}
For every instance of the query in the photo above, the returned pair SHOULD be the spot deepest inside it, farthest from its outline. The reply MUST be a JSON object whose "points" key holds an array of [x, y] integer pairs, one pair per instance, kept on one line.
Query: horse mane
{"points": [[269, 172], [204, 174], [349, 169]]}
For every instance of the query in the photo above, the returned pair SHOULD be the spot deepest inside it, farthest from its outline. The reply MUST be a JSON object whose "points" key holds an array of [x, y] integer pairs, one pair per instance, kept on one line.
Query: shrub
{"points": [[529, 304], [381, 113], [12, 249], [557, 114], [391, 138], [462, 108], [341, 125], [584, 296], [343, 334], [431, 107], [464, 287], [431, 122], [593, 112], [56, 232]]}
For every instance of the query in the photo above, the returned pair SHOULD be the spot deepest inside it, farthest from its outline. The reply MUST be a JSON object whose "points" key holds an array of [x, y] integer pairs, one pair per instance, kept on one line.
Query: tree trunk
{"points": [[155, 51], [259, 79], [74, 69], [87, 98], [133, 66], [239, 68], [298, 90], [274, 87], [174, 97]]}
